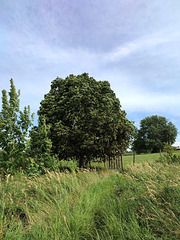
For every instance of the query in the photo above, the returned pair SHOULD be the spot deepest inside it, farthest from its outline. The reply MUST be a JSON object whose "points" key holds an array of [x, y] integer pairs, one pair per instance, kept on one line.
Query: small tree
{"points": [[14, 128], [40, 146]]}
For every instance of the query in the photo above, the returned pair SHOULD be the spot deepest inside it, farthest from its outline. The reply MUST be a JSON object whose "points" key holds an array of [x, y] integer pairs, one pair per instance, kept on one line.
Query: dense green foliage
{"points": [[154, 132], [39, 149], [14, 127], [170, 158], [86, 119], [142, 203], [80, 119]]}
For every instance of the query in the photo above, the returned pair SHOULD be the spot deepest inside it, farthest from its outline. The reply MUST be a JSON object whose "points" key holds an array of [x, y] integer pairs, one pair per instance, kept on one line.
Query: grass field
{"points": [[139, 158], [143, 202]]}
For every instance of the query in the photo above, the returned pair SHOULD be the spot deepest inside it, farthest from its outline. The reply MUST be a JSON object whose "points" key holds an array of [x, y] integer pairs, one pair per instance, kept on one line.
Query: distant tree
{"points": [[14, 128], [153, 133], [86, 119]]}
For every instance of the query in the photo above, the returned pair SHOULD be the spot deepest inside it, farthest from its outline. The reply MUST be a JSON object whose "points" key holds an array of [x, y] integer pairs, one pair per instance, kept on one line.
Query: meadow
{"points": [[143, 202], [139, 158]]}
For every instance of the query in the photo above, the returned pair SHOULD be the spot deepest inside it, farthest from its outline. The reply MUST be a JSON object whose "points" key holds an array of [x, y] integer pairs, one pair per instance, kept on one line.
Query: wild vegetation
{"points": [[140, 203], [47, 193]]}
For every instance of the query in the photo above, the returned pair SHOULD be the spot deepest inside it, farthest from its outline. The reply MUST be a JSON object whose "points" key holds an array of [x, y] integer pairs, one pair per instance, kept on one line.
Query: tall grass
{"points": [[141, 203]]}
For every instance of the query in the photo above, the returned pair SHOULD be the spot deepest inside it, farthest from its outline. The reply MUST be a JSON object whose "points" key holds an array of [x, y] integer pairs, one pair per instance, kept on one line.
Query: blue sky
{"points": [[134, 44]]}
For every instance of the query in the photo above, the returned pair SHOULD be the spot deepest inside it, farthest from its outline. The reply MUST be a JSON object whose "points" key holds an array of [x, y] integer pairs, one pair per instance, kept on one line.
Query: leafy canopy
{"points": [[86, 118], [154, 132]]}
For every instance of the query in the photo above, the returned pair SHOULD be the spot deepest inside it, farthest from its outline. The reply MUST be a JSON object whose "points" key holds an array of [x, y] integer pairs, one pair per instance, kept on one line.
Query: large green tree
{"points": [[154, 132], [14, 128], [86, 119]]}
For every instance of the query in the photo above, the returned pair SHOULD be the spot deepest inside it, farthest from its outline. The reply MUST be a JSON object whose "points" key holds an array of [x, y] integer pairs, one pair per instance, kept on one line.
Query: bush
{"points": [[70, 166], [169, 158], [167, 148]]}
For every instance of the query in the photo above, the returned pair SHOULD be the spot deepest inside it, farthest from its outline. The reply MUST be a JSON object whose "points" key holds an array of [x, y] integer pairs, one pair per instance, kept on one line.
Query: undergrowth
{"points": [[169, 158], [140, 203]]}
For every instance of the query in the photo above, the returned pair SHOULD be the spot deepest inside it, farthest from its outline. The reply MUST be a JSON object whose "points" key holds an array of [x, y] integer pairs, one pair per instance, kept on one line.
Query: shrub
{"points": [[167, 148], [169, 158], [70, 166]]}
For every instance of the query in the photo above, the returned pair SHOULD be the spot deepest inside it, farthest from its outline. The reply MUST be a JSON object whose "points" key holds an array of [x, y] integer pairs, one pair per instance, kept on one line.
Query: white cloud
{"points": [[137, 97], [176, 144], [135, 46], [137, 100]]}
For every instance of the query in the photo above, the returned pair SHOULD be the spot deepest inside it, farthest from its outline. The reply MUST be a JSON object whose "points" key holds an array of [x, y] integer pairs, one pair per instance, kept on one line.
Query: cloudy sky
{"points": [[134, 44]]}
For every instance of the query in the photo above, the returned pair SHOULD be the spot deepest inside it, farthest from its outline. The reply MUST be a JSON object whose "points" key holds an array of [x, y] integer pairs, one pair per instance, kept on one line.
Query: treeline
{"points": [[80, 119]]}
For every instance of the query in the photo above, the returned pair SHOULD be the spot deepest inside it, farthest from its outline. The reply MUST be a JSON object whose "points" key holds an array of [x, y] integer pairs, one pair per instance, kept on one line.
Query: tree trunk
{"points": [[134, 156], [81, 162], [119, 163], [116, 163], [109, 162], [104, 160], [122, 164]]}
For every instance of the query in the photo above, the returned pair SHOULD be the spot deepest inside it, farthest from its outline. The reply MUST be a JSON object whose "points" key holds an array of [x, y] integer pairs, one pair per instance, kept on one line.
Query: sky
{"points": [[133, 44]]}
